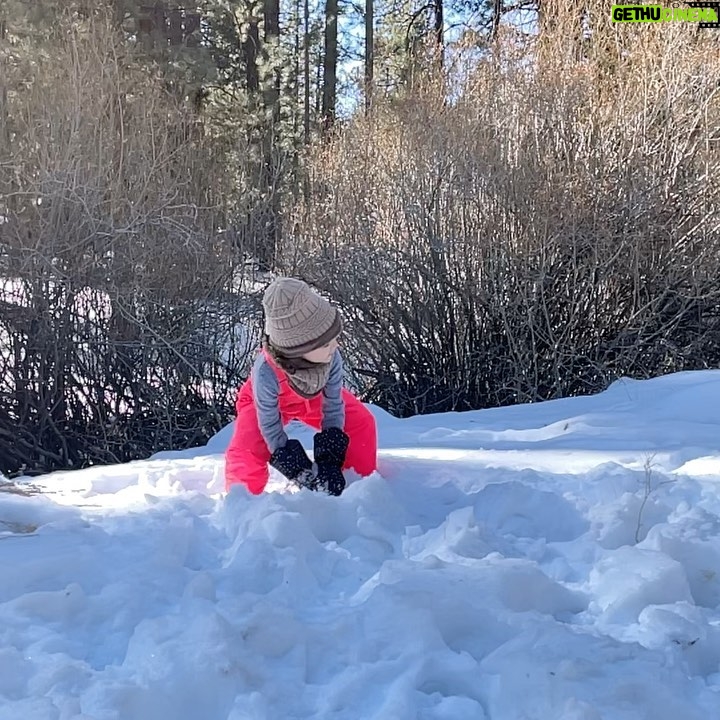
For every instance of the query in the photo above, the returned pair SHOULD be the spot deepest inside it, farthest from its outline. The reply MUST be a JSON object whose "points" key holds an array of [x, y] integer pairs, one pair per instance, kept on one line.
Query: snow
{"points": [[555, 561]]}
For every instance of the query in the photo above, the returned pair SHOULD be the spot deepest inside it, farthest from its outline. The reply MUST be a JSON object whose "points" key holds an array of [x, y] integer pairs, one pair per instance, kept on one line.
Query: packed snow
{"points": [[555, 561]]}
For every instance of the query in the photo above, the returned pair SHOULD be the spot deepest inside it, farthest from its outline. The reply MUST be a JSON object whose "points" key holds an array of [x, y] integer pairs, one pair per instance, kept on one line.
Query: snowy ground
{"points": [[559, 561]]}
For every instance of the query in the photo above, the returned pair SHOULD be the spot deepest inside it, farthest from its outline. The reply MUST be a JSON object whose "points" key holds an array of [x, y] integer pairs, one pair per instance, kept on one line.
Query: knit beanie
{"points": [[297, 319]]}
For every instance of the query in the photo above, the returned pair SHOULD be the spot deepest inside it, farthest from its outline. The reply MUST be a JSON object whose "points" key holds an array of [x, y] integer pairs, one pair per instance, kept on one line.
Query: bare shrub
{"points": [[119, 307], [551, 229]]}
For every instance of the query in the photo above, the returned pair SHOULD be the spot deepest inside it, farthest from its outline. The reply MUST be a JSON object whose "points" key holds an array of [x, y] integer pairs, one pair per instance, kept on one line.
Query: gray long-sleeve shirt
{"points": [[266, 390]]}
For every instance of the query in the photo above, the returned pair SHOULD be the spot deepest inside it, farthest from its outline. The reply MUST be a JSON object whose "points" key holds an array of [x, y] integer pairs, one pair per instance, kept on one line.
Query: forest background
{"points": [[511, 202]]}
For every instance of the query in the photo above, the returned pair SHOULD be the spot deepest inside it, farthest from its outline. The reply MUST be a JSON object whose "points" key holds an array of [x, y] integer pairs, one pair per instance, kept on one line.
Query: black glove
{"points": [[331, 479], [330, 448], [292, 461]]}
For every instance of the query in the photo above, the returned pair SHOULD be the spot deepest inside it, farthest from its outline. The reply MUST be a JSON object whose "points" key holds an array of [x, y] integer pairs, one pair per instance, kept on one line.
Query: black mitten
{"points": [[292, 461], [330, 448], [331, 479]]}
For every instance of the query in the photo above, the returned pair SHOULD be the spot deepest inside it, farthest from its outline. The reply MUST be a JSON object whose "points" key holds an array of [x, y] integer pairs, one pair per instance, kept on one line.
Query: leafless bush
{"points": [[119, 302], [552, 229]]}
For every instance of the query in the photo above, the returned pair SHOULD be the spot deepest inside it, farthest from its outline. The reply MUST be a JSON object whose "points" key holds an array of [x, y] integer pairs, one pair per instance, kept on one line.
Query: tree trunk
{"points": [[330, 64], [270, 218], [250, 50], [496, 17], [306, 53], [369, 52], [439, 32], [271, 16], [255, 219], [4, 115]]}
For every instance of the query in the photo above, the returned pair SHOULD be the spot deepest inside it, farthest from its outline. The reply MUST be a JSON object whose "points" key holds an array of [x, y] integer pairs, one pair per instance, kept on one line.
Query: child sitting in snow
{"points": [[298, 375]]}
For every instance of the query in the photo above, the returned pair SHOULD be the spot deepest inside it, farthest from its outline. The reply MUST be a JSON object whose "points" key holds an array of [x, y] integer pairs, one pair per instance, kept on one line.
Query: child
{"points": [[298, 375]]}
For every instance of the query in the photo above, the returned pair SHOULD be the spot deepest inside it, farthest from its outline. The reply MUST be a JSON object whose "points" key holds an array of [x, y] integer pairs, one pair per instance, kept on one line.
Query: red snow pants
{"points": [[247, 455]]}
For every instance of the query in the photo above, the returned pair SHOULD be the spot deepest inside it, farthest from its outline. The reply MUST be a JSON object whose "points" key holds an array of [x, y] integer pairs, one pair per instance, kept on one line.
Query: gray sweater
{"points": [[266, 390]]}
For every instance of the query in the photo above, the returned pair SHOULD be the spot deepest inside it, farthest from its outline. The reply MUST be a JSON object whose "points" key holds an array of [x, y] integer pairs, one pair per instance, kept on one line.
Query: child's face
{"points": [[322, 354]]}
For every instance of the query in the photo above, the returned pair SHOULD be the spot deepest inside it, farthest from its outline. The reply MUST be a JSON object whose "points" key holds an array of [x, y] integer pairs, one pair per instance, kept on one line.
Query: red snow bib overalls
{"points": [[247, 456]]}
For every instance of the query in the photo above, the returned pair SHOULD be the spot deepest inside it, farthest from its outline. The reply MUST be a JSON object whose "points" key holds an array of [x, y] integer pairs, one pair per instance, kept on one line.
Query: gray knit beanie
{"points": [[297, 319]]}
